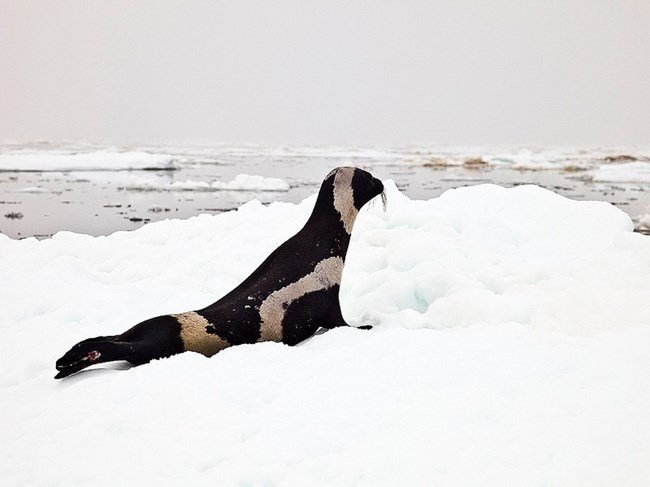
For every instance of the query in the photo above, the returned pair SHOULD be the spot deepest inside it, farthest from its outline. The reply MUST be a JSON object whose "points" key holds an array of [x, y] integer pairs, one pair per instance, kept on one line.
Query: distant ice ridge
{"points": [[510, 347], [241, 182], [526, 159], [84, 161], [85, 158]]}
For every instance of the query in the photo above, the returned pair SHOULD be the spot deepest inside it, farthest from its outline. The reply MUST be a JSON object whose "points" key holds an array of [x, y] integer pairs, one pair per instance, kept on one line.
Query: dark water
{"points": [[96, 202]]}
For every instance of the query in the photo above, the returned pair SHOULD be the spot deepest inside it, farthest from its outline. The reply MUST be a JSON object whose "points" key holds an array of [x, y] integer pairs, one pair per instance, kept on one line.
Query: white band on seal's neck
{"points": [[344, 197]]}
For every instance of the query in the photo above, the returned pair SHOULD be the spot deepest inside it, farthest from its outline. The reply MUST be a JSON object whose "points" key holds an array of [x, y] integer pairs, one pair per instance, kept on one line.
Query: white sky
{"points": [[462, 72]]}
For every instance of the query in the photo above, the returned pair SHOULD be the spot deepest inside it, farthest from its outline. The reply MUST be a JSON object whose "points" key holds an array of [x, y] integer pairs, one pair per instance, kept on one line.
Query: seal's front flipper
{"points": [[336, 320]]}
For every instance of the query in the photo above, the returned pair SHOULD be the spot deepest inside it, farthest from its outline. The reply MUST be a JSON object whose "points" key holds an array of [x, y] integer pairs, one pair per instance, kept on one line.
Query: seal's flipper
{"points": [[86, 353]]}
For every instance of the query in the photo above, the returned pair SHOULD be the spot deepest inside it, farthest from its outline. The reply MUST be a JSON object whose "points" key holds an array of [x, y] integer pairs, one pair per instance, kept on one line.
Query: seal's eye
{"points": [[94, 355]]}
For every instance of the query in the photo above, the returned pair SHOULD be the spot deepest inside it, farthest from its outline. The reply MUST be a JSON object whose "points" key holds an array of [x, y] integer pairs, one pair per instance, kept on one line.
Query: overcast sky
{"points": [[473, 72]]}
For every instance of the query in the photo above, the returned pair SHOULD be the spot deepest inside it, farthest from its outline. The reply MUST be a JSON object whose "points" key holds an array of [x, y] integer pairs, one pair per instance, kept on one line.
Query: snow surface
{"points": [[86, 161], [510, 347]]}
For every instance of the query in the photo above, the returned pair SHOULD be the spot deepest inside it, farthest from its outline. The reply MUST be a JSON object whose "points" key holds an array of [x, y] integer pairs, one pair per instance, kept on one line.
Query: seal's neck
{"points": [[332, 220]]}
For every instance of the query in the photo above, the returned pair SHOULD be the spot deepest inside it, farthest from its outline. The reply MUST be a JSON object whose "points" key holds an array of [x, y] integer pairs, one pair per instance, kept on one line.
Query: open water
{"points": [[41, 203]]}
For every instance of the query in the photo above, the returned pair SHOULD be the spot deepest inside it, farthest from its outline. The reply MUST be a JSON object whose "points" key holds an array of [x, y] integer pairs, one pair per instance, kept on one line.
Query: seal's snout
{"points": [[378, 189], [378, 185]]}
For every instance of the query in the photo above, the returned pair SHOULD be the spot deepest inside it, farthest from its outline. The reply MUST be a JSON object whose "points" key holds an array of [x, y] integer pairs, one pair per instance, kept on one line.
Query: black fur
{"points": [[236, 317]]}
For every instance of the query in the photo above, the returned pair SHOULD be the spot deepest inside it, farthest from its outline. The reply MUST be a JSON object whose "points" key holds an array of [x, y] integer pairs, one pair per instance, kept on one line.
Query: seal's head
{"points": [[351, 188]]}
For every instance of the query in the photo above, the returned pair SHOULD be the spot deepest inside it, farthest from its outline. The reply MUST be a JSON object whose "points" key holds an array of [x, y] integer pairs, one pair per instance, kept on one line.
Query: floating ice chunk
{"points": [[242, 182], [629, 172], [84, 161], [247, 182], [32, 189]]}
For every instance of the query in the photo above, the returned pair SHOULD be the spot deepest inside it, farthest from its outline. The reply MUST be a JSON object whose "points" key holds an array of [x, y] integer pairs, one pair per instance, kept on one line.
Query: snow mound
{"points": [[86, 161], [511, 335], [490, 254]]}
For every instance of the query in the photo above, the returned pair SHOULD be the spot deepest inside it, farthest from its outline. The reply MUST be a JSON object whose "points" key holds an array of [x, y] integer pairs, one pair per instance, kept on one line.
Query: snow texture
{"points": [[510, 347]]}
